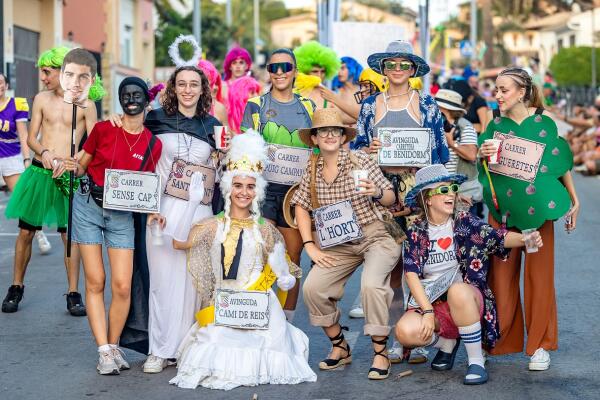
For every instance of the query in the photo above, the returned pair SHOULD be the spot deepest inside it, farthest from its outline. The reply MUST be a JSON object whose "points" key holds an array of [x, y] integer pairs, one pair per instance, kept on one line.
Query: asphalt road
{"points": [[47, 354]]}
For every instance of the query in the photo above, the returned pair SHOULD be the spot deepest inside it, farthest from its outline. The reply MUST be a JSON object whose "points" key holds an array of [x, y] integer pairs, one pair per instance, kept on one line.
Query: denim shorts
{"points": [[95, 225]]}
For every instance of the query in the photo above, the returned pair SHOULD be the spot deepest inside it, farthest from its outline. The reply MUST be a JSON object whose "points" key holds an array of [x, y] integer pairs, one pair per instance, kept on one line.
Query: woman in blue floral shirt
{"points": [[446, 261]]}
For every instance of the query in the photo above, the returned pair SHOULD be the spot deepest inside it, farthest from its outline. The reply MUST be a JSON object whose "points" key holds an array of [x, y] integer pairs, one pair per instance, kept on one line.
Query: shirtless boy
{"points": [[41, 195]]}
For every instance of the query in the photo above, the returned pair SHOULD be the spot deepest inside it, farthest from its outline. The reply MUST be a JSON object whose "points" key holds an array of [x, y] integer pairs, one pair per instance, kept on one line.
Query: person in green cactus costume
{"points": [[277, 116], [526, 191]]}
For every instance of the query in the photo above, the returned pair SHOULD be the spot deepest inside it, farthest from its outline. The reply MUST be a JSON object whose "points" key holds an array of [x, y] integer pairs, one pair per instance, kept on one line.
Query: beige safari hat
{"points": [[325, 118]]}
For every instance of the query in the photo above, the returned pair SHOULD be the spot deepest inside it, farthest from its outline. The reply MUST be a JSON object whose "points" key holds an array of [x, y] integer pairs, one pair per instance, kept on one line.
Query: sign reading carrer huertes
{"points": [[336, 224], [178, 184], [519, 158], [404, 147], [242, 309], [131, 191], [286, 164]]}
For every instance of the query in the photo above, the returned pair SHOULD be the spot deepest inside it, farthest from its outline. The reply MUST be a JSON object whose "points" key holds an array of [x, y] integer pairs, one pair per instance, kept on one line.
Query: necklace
{"points": [[139, 135], [432, 224], [389, 96]]}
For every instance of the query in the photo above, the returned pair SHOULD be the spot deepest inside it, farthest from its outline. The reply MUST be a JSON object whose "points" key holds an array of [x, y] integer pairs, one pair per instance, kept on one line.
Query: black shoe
{"points": [[75, 305], [336, 341], [445, 361], [12, 299]]}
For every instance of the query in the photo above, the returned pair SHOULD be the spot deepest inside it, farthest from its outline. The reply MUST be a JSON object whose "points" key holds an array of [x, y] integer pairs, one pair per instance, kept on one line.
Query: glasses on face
{"points": [[446, 189], [393, 65], [284, 66], [326, 132]]}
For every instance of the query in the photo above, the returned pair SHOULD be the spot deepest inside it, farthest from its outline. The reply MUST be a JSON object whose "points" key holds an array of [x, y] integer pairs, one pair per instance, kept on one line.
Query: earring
{"points": [[520, 99]]}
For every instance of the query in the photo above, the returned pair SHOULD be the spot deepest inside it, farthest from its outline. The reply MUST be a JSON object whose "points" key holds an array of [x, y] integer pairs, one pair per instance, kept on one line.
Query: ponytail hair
{"points": [[523, 80]]}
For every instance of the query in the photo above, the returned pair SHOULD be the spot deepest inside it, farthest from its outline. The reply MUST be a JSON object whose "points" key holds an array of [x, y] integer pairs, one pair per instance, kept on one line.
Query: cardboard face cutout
{"points": [[526, 180], [76, 80]]}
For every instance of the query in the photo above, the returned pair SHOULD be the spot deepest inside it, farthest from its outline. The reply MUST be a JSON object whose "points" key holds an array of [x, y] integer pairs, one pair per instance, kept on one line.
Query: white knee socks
{"points": [[471, 336]]}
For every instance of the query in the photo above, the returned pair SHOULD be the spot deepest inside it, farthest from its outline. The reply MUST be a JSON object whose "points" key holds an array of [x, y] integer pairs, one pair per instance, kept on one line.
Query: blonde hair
{"points": [[524, 81]]}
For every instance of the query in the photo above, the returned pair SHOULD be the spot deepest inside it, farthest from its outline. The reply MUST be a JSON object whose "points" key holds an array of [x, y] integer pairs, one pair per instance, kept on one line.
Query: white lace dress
{"points": [[218, 357]]}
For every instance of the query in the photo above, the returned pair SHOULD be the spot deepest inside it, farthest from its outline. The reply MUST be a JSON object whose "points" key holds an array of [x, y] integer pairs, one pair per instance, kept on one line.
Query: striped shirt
{"points": [[467, 136]]}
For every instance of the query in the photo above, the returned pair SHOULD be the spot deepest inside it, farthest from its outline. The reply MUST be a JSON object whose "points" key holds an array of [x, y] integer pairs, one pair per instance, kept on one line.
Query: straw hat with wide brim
{"points": [[449, 99], [326, 118]]}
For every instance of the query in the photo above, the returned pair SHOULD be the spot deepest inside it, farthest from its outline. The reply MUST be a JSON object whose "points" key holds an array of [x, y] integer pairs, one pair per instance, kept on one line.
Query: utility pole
{"points": [[473, 35], [256, 30], [197, 22], [424, 38]]}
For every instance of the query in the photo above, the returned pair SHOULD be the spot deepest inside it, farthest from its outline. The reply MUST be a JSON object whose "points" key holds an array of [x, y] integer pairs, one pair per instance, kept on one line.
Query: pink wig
{"points": [[234, 54], [239, 93], [214, 78]]}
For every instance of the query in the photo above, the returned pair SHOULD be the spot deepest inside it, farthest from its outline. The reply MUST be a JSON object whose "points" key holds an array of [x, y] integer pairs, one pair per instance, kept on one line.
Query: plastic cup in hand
{"points": [[220, 137], [529, 236], [493, 159], [359, 174], [157, 234]]}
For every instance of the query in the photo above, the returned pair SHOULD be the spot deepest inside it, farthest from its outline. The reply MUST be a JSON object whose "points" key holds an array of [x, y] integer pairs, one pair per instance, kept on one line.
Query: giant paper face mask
{"points": [[76, 80], [526, 180]]}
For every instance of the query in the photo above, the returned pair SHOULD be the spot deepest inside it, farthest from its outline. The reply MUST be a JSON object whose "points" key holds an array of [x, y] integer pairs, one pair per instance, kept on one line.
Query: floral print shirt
{"points": [[432, 119], [475, 243]]}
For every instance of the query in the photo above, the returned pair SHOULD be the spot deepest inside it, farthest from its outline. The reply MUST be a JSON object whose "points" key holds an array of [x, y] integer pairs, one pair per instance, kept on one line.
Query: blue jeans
{"points": [[95, 225]]}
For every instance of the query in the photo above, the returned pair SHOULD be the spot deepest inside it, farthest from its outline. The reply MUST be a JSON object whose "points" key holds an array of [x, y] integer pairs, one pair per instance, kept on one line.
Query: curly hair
{"points": [[314, 53], [170, 103]]}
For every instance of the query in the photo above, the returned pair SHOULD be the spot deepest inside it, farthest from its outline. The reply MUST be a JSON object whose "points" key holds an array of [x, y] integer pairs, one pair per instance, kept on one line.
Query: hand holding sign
{"points": [[196, 190], [374, 146]]}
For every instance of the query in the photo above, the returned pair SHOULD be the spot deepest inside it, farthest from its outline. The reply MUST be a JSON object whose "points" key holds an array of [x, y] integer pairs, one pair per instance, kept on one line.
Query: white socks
{"points": [[105, 348], [471, 336], [444, 344]]}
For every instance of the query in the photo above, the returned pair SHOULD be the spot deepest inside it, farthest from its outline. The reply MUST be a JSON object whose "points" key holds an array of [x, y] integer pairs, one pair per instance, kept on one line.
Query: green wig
{"points": [[97, 91], [53, 58], [314, 53]]}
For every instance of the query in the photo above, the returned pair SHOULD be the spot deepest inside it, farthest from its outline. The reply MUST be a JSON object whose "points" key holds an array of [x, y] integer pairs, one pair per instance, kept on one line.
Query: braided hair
{"points": [[524, 81]]}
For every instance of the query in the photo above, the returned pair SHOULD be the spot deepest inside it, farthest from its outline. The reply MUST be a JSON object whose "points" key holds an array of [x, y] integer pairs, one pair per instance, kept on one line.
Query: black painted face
{"points": [[132, 99]]}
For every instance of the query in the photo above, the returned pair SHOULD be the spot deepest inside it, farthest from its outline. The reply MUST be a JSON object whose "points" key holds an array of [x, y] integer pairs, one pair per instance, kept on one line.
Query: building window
{"points": [[126, 46], [127, 32], [560, 44], [572, 41]]}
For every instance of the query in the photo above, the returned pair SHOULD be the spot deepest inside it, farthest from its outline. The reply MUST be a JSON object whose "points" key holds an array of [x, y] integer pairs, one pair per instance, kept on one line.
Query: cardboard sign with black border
{"points": [[286, 164], [336, 224], [242, 309], [131, 191], [178, 183], [404, 147]]}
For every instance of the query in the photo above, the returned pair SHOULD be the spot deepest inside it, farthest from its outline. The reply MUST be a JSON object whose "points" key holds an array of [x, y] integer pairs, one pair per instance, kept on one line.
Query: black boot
{"points": [[12, 299], [75, 305]]}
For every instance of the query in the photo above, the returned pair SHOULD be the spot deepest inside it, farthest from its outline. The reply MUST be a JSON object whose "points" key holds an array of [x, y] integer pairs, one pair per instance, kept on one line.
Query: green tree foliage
{"points": [[572, 66]]}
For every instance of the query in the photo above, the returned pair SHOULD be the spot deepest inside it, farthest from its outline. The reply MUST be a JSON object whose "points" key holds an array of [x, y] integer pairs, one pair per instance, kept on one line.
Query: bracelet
{"points": [[376, 198], [307, 242], [430, 311], [26, 159], [43, 151]]}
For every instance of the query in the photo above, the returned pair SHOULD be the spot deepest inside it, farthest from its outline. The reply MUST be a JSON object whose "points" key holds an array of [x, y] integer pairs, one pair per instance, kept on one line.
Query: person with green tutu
{"points": [[41, 196]]}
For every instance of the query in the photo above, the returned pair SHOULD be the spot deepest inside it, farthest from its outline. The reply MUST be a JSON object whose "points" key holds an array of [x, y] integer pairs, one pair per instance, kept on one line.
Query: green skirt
{"points": [[39, 199]]}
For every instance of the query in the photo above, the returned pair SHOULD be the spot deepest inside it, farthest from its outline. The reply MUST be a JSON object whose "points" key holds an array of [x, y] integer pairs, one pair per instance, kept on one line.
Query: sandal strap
{"points": [[382, 342], [338, 339]]}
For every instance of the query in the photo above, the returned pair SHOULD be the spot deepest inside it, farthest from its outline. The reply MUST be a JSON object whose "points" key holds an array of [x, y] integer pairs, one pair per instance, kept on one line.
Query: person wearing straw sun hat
{"points": [[328, 190], [446, 260], [462, 143]]}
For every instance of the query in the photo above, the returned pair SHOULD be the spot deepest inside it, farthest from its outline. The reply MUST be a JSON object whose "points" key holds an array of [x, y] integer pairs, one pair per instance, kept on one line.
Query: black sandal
{"points": [[377, 373], [330, 363]]}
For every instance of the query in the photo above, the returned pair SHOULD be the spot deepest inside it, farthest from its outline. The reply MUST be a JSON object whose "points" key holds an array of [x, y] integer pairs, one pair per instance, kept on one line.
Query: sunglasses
{"points": [[446, 189], [284, 66], [393, 65], [326, 132]]}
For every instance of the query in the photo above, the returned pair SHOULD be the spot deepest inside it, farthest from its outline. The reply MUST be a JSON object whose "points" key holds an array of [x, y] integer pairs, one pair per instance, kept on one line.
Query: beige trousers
{"points": [[324, 287]]}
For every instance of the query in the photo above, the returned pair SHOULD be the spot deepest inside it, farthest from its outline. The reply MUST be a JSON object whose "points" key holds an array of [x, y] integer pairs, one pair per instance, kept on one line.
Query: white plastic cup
{"points": [[359, 174], [528, 235], [157, 234], [220, 137], [493, 159]]}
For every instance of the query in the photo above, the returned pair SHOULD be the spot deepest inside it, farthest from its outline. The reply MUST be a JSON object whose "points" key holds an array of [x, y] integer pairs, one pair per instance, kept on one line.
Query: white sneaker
{"points": [[540, 360], [119, 358], [106, 364], [154, 364], [395, 353], [43, 242], [356, 312], [418, 355]]}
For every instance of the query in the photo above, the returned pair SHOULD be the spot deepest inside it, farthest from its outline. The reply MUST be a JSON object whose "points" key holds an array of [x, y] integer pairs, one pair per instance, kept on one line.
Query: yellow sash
{"points": [[264, 282]]}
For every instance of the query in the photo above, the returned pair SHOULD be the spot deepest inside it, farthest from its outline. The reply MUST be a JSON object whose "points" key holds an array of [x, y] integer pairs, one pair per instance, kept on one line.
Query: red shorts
{"points": [[441, 310]]}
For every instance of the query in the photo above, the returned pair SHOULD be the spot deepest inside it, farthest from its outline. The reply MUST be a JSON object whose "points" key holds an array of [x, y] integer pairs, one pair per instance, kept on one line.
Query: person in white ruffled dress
{"points": [[221, 357]]}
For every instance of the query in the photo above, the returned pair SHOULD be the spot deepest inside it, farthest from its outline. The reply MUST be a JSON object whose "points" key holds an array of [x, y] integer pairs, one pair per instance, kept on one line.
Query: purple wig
{"points": [[234, 54]]}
